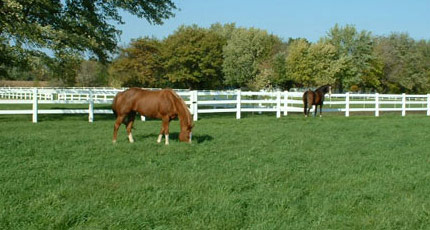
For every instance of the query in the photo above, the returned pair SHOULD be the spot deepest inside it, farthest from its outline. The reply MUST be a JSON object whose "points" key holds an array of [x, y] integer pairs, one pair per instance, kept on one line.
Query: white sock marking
{"points": [[130, 138]]}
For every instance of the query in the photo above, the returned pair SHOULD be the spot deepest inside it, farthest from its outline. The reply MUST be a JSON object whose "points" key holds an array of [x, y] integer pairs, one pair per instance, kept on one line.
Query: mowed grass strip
{"points": [[255, 173]]}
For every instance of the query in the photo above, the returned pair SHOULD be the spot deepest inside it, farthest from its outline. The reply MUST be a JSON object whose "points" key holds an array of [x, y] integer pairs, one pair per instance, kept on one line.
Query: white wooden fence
{"points": [[201, 102]]}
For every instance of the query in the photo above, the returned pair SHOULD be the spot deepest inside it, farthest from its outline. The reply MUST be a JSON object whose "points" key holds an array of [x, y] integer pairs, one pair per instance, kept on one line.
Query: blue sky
{"points": [[309, 19]]}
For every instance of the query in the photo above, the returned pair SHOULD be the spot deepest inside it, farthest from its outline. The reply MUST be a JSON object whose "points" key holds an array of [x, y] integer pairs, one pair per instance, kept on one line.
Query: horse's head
{"points": [[325, 89], [185, 135]]}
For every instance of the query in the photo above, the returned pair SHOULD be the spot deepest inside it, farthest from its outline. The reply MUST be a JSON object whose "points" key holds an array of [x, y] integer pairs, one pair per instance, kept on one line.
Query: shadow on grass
{"points": [[175, 137]]}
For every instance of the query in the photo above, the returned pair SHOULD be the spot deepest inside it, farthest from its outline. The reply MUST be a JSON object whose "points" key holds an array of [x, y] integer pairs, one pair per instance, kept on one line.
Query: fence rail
{"points": [[200, 102]]}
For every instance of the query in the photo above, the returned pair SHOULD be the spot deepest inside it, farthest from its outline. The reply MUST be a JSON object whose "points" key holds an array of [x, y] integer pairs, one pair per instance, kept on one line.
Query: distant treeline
{"points": [[226, 56]]}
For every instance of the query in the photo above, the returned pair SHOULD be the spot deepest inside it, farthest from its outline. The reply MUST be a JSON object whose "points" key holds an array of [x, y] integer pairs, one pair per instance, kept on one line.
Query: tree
{"points": [[245, 54], [194, 58], [224, 31], [354, 51], [405, 63], [323, 62], [91, 73], [27, 26], [65, 69], [299, 69], [140, 64], [279, 66]]}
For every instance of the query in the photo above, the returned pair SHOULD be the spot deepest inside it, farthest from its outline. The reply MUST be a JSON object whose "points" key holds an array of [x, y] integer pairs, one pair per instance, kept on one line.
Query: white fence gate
{"points": [[200, 102]]}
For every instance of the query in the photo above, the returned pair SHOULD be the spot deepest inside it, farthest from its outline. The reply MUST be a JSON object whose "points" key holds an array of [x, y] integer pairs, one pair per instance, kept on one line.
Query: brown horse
{"points": [[315, 98], [163, 104]]}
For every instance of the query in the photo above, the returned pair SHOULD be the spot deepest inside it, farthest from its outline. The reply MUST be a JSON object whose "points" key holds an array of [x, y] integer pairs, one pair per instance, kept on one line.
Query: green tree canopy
{"points": [[405, 63], [70, 26], [245, 54], [91, 73], [140, 64], [299, 69], [325, 66], [194, 58], [354, 52]]}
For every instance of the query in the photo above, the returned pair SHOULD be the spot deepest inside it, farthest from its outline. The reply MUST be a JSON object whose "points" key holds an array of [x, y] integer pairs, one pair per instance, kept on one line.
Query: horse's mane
{"points": [[182, 106], [322, 87]]}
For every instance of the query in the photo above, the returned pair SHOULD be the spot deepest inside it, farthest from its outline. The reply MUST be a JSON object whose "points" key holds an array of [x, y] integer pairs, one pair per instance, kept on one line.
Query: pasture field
{"points": [[259, 172]]}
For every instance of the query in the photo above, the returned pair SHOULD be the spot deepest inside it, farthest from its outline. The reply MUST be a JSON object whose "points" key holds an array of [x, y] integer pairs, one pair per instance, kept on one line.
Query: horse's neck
{"points": [[183, 112], [322, 90], [184, 118]]}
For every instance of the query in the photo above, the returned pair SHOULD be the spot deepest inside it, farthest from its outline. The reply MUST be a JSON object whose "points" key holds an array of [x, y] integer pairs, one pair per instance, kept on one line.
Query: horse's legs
{"points": [[321, 110], [118, 122], [164, 130], [316, 110], [309, 110], [160, 136], [131, 117], [304, 109]]}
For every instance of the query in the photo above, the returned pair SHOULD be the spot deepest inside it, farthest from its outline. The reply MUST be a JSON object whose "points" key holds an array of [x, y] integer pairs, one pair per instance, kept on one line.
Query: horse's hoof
{"points": [[114, 142], [320, 115]]}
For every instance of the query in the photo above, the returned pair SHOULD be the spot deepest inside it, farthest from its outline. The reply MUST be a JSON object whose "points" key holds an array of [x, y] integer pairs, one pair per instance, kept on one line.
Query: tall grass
{"points": [[255, 173]]}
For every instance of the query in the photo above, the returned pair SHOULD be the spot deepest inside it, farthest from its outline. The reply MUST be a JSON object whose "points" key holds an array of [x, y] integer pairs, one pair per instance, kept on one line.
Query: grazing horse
{"points": [[162, 104], [315, 98]]}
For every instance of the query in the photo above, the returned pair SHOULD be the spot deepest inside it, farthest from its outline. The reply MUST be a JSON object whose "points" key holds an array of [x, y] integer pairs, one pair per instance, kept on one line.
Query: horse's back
{"points": [[148, 103], [124, 102]]}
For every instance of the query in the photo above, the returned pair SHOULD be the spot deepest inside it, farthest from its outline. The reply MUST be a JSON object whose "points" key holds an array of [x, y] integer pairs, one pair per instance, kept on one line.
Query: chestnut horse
{"points": [[162, 104], [315, 98]]}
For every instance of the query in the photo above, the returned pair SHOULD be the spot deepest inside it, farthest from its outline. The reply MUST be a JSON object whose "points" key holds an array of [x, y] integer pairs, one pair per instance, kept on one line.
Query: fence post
{"points": [[91, 106], [428, 104], [278, 104], [347, 104], [376, 104], [194, 105], [35, 110], [238, 104], [403, 104], [285, 102]]}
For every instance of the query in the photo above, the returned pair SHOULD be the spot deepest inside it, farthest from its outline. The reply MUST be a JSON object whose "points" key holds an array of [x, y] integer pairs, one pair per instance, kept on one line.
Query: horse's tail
{"points": [[113, 107], [115, 99], [305, 102]]}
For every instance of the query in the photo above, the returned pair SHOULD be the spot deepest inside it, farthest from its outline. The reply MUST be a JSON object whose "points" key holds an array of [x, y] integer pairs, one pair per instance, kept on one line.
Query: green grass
{"points": [[259, 172]]}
